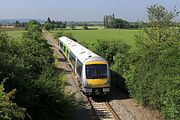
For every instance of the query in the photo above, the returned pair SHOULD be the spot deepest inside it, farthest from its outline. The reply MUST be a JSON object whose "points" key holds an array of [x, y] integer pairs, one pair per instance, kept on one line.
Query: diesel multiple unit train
{"points": [[91, 69]]}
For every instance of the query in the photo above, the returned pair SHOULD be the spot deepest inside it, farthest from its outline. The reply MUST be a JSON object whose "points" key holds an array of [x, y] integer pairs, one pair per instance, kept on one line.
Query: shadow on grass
{"points": [[61, 59], [61, 70], [118, 87], [86, 29]]}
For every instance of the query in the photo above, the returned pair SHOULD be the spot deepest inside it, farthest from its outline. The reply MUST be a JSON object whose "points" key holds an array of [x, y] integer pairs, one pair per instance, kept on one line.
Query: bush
{"points": [[28, 68], [85, 26], [154, 78], [48, 26], [44, 97], [60, 34], [9, 110], [57, 35]]}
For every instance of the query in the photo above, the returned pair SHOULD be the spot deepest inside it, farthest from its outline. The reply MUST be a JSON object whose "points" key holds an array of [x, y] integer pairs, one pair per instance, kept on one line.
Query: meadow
{"points": [[89, 36], [93, 34], [15, 34]]}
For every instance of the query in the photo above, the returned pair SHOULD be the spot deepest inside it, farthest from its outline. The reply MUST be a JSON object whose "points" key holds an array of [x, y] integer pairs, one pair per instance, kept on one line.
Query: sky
{"points": [[81, 10]]}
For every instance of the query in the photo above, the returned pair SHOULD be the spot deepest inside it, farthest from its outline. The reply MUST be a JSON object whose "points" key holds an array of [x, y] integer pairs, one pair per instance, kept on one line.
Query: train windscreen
{"points": [[96, 71]]}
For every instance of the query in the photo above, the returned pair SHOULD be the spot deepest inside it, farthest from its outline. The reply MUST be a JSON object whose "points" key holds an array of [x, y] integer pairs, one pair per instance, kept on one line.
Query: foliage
{"points": [[28, 67], [60, 34], [109, 50], [46, 98], [85, 27], [154, 77], [9, 110], [18, 24], [111, 22], [48, 26], [51, 25], [72, 26]]}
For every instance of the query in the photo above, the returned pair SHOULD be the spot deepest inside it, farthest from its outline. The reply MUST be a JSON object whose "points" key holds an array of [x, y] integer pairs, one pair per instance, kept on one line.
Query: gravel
{"points": [[129, 109]]}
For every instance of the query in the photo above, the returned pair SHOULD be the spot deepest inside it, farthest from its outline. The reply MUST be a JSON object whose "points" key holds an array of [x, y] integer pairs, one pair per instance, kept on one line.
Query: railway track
{"points": [[100, 109]]}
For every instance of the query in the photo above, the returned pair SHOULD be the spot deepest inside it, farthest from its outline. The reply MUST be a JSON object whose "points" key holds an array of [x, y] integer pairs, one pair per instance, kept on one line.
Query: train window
{"points": [[61, 44], [96, 71], [79, 67], [64, 48], [67, 53], [72, 58]]}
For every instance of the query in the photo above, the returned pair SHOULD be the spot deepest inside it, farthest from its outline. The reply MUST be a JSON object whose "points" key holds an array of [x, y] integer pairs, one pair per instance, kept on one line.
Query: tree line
{"points": [[51, 24], [31, 87], [111, 22]]}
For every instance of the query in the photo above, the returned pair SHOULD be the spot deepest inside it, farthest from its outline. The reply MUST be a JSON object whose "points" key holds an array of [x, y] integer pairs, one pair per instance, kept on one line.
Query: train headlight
{"points": [[88, 85], [107, 82], [106, 89]]}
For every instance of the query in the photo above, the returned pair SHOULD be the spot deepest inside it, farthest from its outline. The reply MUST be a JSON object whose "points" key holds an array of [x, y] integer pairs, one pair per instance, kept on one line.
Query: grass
{"points": [[16, 35], [88, 36]]}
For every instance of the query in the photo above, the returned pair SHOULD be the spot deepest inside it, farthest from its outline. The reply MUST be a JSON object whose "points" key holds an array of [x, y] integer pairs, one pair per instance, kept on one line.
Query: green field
{"points": [[124, 35], [17, 34], [89, 36]]}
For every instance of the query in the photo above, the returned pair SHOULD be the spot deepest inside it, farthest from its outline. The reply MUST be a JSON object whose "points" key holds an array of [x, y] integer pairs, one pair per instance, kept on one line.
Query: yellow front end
{"points": [[98, 83], [97, 77]]}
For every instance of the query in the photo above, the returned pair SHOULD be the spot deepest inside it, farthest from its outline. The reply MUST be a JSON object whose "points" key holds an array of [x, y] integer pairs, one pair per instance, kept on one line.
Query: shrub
{"points": [[58, 35], [9, 110], [154, 78], [44, 97], [28, 68]]}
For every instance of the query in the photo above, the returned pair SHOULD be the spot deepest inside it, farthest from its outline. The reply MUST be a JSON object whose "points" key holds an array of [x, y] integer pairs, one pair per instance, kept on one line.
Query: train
{"points": [[91, 70]]}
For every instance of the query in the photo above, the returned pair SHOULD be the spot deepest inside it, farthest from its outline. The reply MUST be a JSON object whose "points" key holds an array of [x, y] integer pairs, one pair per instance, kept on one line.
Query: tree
{"points": [[85, 27], [72, 26], [51, 24], [154, 78], [9, 110], [58, 34], [111, 22], [48, 20], [17, 24], [48, 26]]}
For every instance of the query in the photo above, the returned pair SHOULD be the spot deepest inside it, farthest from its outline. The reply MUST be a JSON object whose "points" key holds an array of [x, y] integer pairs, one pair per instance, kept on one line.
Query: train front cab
{"points": [[97, 78]]}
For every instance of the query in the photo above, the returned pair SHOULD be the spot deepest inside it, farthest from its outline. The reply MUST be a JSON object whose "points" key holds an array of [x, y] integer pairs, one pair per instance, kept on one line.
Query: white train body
{"points": [[91, 69]]}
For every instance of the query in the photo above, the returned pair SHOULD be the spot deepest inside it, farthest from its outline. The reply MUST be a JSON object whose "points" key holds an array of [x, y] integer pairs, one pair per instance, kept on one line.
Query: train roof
{"points": [[78, 50]]}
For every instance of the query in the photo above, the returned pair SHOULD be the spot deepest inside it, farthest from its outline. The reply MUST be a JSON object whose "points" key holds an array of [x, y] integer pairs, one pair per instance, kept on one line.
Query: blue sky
{"points": [[81, 10]]}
